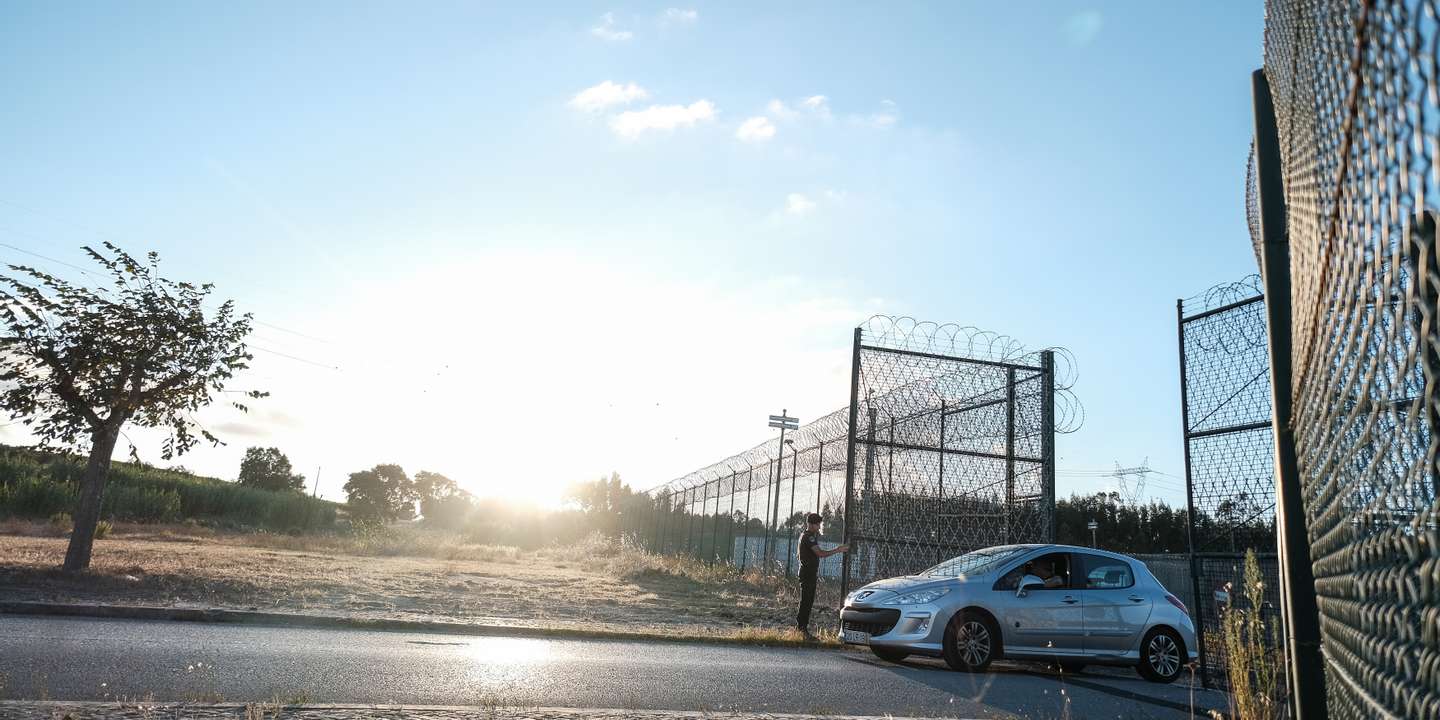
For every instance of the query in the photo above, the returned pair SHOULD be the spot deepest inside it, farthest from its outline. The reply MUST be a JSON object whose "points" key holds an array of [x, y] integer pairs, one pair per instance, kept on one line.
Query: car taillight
{"points": [[1176, 602]]}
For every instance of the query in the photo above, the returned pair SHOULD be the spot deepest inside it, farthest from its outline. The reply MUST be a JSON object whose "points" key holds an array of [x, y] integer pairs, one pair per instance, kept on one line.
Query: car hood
{"points": [[882, 590]]}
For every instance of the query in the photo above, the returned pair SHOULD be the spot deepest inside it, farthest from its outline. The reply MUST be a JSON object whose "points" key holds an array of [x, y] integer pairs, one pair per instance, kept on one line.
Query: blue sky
{"points": [[525, 246]]}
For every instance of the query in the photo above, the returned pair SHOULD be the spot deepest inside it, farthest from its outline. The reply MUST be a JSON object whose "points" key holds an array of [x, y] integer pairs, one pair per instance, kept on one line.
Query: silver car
{"points": [[1051, 603]]}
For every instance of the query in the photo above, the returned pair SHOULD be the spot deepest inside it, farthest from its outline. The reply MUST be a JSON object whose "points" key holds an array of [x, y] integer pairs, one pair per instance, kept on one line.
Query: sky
{"points": [[527, 246]]}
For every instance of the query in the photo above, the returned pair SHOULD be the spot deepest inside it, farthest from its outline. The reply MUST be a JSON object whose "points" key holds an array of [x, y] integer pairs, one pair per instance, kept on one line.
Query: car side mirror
{"points": [[1028, 582]]}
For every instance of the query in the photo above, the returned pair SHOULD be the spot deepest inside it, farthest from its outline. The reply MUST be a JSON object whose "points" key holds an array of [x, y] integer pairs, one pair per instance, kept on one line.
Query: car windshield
{"points": [[975, 562]]}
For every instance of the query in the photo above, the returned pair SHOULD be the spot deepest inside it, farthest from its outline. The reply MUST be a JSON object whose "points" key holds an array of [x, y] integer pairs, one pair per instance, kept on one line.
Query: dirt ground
{"points": [[591, 586]]}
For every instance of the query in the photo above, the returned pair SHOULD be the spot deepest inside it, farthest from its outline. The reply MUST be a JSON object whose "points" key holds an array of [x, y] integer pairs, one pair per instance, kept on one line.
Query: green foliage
{"points": [[268, 469], [61, 521], [39, 485], [383, 493], [442, 502], [103, 529], [1151, 528], [82, 361], [607, 503], [1252, 660], [35, 497]]}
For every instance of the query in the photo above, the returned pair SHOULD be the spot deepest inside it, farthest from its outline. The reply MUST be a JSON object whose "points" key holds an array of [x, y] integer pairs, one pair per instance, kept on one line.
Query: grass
{"points": [[406, 573]]}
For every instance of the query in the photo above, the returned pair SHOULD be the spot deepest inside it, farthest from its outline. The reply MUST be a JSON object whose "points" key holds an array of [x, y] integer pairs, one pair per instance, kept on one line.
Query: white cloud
{"points": [[608, 31], [676, 16], [887, 116], [632, 123], [607, 94], [780, 110], [756, 129], [798, 204]]}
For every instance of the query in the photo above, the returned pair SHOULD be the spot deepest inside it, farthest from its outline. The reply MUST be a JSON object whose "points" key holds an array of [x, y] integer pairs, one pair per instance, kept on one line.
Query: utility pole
{"points": [[316, 491], [1092, 525], [1130, 492], [784, 422]]}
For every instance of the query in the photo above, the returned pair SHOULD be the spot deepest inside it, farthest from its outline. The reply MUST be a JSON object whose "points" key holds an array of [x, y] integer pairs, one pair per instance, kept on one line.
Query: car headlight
{"points": [[919, 597]]}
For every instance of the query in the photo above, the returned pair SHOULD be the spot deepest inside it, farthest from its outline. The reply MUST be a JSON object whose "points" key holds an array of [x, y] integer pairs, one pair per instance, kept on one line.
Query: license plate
{"points": [[855, 637]]}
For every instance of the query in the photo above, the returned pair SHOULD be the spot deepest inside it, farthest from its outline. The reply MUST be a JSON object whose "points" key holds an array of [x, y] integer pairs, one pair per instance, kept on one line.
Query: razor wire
{"points": [[1357, 103], [1229, 459], [747, 510]]}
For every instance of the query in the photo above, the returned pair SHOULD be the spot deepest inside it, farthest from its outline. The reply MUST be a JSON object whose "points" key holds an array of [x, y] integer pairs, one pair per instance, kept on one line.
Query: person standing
{"points": [[810, 554]]}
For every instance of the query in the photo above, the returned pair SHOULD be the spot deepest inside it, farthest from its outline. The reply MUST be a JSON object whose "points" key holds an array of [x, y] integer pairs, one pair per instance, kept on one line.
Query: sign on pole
{"points": [[785, 422]]}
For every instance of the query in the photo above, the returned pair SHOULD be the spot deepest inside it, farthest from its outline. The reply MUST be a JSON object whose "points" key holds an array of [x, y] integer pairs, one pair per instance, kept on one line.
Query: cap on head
{"points": [[813, 518]]}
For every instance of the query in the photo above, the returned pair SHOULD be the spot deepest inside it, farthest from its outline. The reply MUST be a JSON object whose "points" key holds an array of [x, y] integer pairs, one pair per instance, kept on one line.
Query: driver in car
{"points": [[1045, 570]]}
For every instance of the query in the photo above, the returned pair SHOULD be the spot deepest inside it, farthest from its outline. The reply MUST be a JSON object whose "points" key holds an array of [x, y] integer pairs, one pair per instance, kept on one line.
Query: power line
{"points": [[96, 288]]}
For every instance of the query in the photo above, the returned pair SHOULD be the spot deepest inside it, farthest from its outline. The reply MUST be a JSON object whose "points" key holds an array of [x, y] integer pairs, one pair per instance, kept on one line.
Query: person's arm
{"points": [[827, 553]]}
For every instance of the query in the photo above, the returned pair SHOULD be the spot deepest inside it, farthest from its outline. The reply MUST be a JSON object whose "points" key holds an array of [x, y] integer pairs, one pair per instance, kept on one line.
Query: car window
{"points": [[1103, 573], [1057, 565], [974, 562]]}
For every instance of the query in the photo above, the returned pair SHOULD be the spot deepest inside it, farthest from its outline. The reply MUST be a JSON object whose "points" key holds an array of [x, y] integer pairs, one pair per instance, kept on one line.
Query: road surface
{"points": [[91, 659]]}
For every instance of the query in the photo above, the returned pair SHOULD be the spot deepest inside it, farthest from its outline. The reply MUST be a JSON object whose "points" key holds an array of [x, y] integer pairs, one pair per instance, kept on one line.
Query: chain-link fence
{"points": [[1229, 457], [1356, 94], [953, 444], [939, 401]]}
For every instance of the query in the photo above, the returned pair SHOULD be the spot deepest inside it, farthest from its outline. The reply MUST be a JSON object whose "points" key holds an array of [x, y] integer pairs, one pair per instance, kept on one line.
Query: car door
{"points": [[1045, 621], [1114, 612]]}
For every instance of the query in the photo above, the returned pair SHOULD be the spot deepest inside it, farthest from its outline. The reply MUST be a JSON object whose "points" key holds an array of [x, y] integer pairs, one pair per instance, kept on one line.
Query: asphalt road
{"points": [[84, 659]]}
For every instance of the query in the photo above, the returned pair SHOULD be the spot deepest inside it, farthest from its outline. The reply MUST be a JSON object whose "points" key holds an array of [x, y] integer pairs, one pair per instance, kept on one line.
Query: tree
{"points": [[268, 469], [383, 493], [77, 364], [442, 502]]}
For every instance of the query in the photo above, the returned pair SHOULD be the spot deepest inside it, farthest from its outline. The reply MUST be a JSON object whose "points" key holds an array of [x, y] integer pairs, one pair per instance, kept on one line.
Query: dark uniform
{"points": [[809, 571]]}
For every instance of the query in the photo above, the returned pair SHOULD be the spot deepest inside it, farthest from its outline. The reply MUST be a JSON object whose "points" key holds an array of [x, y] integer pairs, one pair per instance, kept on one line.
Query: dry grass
{"points": [[410, 574]]}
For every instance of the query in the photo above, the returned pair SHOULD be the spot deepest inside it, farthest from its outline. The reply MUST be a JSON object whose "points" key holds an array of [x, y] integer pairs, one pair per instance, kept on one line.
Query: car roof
{"points": [[1092, 551]]}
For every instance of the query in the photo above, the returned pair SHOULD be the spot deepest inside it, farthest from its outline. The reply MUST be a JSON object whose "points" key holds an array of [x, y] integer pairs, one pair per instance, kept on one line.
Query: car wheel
{"points": [[971, 642], [1162, 656], [889, 654]]}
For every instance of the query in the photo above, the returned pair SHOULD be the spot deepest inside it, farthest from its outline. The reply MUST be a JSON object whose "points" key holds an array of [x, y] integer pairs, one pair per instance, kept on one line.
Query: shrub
{"points": [[37, 485], [1251, 657], [62, 521], [35, 497], [103, 529]]}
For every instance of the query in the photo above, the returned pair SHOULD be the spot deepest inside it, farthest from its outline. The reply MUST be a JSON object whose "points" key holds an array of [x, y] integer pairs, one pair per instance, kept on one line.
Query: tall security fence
{"points": [[953, 449], [1229, 458], [1345, 168]]}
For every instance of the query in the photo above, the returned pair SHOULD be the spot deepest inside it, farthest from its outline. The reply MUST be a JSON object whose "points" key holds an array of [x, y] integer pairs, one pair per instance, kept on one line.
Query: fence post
{"points": [[715, 527], [1301, 613], [819, 474], [730, 523], [749, 498], [850, 463], [1198, 600], [1047, 438], [1009, 454], [690, 533], [940, 487], [765, 546], [794, 469]]}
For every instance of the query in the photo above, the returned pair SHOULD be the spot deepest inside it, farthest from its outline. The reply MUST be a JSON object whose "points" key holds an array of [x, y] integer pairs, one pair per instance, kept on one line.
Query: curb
{"points": [[480, 711], [340, 622]]}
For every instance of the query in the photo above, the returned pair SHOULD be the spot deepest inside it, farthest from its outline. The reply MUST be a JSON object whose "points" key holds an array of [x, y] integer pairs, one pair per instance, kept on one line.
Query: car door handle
{"points": [[1069, 600], [1136, 598]]}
